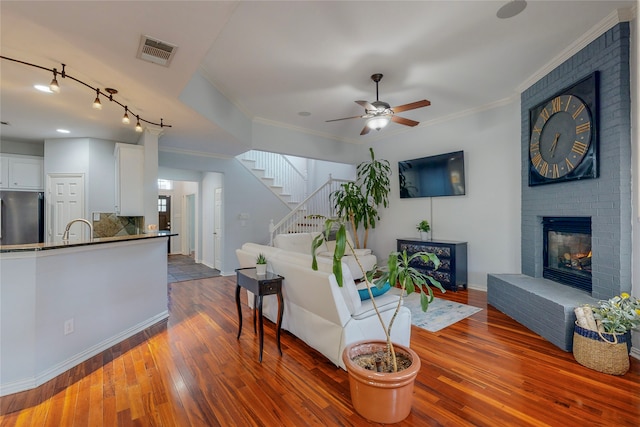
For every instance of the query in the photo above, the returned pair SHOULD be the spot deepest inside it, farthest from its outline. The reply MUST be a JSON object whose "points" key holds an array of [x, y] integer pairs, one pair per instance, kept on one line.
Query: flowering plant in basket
{"points": [[619, 314]]}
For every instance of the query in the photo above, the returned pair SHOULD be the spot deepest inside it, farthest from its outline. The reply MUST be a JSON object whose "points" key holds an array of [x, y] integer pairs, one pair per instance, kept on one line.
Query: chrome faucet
{"points": [[65, 236]]}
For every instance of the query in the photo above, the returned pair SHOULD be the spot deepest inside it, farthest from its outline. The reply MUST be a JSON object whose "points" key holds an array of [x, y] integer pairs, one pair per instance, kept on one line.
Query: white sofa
{"points": [[319, 312], [301, 243]]}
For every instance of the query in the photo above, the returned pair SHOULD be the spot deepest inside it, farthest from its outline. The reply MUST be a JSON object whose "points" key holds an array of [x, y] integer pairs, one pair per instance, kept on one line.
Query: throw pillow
{"points": [[364, 293]]}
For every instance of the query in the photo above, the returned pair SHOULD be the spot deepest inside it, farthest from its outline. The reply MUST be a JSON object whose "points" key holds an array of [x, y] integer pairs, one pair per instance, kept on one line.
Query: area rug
{"points": [[440, 314]]}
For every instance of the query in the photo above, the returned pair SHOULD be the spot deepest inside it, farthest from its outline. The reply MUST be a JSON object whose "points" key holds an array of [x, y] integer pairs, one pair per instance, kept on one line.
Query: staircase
{"points": [[277, 173]]}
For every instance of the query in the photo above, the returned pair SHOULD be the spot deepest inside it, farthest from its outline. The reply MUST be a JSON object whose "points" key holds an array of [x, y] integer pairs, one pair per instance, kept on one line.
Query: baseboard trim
{"points": [[51, 373]]}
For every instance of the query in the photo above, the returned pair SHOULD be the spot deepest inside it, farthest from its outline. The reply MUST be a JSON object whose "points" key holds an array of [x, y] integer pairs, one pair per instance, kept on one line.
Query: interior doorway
{"points": [[164, 217], [65, 201]]}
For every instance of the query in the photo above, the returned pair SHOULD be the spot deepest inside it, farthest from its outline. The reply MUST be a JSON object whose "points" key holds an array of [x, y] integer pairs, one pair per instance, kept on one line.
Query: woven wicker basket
{"points": [[607, 353]]}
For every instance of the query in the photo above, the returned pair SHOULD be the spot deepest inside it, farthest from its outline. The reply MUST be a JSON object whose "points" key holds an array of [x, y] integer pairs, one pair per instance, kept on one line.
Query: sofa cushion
{"points": [[384, 302], [297, 242], [331, 246], [376, 291]]}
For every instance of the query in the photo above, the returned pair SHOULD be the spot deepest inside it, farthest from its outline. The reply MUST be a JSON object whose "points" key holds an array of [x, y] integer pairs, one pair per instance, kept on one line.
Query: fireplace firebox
{"points": [[567, 251]]}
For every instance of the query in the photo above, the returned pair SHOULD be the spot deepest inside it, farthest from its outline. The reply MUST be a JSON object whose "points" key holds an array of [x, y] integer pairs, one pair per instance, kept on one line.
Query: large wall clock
{"points": [[563, 144]]}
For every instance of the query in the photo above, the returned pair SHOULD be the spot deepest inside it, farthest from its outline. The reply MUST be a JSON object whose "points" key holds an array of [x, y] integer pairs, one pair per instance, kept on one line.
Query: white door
{"points": [[217, 228], [65, 202]]}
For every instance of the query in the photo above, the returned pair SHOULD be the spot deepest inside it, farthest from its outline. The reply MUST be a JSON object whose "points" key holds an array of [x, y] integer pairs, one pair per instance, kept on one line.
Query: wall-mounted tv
{"points": [[433, 176]]}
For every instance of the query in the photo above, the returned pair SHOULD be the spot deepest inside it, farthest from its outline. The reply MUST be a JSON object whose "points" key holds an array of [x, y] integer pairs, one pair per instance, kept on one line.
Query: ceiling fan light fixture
{"points": [[378, 122]]}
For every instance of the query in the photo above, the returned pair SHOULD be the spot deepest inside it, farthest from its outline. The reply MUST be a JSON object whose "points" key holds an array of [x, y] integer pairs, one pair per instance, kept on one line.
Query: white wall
{"points": [[488, 216], [149, 140], [320, 170], [21, 147], [243, 193]]}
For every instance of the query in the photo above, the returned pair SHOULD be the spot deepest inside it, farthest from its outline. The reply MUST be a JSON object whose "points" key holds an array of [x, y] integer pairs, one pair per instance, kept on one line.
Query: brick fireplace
{"points": [[542, 303]]}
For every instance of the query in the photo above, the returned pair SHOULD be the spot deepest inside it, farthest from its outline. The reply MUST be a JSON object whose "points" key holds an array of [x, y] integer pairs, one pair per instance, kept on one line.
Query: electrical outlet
{"points": [[68, 327]]}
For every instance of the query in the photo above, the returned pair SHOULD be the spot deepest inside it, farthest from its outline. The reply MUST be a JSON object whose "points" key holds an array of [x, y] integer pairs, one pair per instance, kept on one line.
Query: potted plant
{"points": [[358, 201], [424, 228], [382, 391], [261, 265]]}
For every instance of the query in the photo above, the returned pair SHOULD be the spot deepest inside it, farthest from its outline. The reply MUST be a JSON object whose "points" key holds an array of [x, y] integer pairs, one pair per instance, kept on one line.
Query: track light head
{"points": [[125, 118], [53, 86], [96, 102]]}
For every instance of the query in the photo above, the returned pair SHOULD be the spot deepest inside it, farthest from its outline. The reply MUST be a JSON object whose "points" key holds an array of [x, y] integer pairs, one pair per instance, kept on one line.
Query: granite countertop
{"points": [[74, 243]]}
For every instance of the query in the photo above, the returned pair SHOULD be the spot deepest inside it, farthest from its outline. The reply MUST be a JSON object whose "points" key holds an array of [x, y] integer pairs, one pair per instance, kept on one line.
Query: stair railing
{"points": [[310, 214]]}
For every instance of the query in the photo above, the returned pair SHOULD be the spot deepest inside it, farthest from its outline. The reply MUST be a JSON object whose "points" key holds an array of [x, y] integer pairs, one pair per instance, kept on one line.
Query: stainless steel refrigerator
{"points": [[21, 217]]}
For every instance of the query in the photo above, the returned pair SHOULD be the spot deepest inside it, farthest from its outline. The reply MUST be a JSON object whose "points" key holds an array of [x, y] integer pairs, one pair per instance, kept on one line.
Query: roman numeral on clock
{"points": [[544, 114], [579, 110], [583, 127], [579, 148], [556, 104]]}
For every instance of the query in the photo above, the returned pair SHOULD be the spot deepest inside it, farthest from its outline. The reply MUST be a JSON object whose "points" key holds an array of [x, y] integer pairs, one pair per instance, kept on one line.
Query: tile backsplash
{"points": [[110, 225]]}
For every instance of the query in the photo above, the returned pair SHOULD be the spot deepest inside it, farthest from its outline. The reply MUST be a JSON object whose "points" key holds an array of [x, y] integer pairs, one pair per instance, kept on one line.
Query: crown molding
{"points": [[611, 20]]}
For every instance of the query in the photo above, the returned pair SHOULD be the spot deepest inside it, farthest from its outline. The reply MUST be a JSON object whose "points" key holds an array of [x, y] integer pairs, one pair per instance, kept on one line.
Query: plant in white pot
{"points": [[382, 390], [423, 227], [261, 265]]}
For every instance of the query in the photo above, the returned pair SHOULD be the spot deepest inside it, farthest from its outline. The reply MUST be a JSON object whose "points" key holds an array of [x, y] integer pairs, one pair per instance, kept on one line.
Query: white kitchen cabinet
{"points": [[4, 172], [129, 180], [22, 172]]}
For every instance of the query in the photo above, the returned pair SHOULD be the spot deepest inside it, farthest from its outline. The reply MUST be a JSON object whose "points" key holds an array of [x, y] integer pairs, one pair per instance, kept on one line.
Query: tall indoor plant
{"points": [[359, 201], [378, 391]]}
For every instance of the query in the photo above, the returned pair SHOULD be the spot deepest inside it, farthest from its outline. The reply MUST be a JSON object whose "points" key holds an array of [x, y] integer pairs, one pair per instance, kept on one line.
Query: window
{"points": [[162, 205], [165, 184]]}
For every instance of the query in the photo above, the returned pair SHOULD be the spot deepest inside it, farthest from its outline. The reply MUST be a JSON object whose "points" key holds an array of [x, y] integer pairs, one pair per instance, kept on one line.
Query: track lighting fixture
{"points": [[125, 118], [96, 102], [55, 88]]}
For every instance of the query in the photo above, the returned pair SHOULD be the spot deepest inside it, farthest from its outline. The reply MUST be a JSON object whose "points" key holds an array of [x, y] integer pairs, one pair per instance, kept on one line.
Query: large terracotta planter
{"points": [[379, 396]]}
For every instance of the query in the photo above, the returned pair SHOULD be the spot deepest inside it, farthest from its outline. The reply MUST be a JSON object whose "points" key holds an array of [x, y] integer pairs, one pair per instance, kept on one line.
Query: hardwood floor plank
{"points": [[191, 370]]}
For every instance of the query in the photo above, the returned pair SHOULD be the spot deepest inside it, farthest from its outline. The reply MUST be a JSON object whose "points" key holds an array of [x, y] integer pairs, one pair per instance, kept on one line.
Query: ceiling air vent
{"points": [[156, 51]]}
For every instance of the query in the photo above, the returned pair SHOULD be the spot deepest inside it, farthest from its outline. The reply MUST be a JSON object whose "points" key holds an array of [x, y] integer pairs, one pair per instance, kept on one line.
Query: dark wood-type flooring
{"points": [[486, 370]]}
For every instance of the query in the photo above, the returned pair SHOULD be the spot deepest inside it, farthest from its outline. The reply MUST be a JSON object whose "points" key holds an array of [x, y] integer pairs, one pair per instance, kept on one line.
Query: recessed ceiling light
{"points": [[63, 131], [511, 9], [304, 113], [43, 88]]}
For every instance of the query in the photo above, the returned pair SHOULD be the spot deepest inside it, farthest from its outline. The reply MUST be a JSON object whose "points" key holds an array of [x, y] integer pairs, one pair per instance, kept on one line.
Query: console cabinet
{"points": [[452, 273]]}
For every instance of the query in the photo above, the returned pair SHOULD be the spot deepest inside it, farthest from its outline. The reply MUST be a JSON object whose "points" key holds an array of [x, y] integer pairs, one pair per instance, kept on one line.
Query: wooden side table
{"points": [[268, 284]]}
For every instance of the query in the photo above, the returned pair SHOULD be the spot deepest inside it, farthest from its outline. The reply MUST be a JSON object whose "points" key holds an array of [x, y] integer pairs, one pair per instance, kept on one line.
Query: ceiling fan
{"points": [[379, 113]]}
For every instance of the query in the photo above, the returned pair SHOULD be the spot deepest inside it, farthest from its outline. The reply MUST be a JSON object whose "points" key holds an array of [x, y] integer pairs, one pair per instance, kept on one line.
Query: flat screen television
{"points": [[433, 176]]}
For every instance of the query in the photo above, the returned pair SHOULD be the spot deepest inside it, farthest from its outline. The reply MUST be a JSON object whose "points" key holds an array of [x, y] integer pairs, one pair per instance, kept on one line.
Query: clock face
{"points": [[561, 137]]}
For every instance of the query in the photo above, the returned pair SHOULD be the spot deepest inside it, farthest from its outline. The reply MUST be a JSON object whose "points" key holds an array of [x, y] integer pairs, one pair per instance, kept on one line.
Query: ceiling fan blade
{"points": [[344, 118], [365, 130], [412, 106], [366, 104], [403, 121]]}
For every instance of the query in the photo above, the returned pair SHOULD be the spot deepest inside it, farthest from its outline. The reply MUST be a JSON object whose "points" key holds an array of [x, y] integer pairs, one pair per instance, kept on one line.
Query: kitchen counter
{"points": [[73, 243], [63, 303]]}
